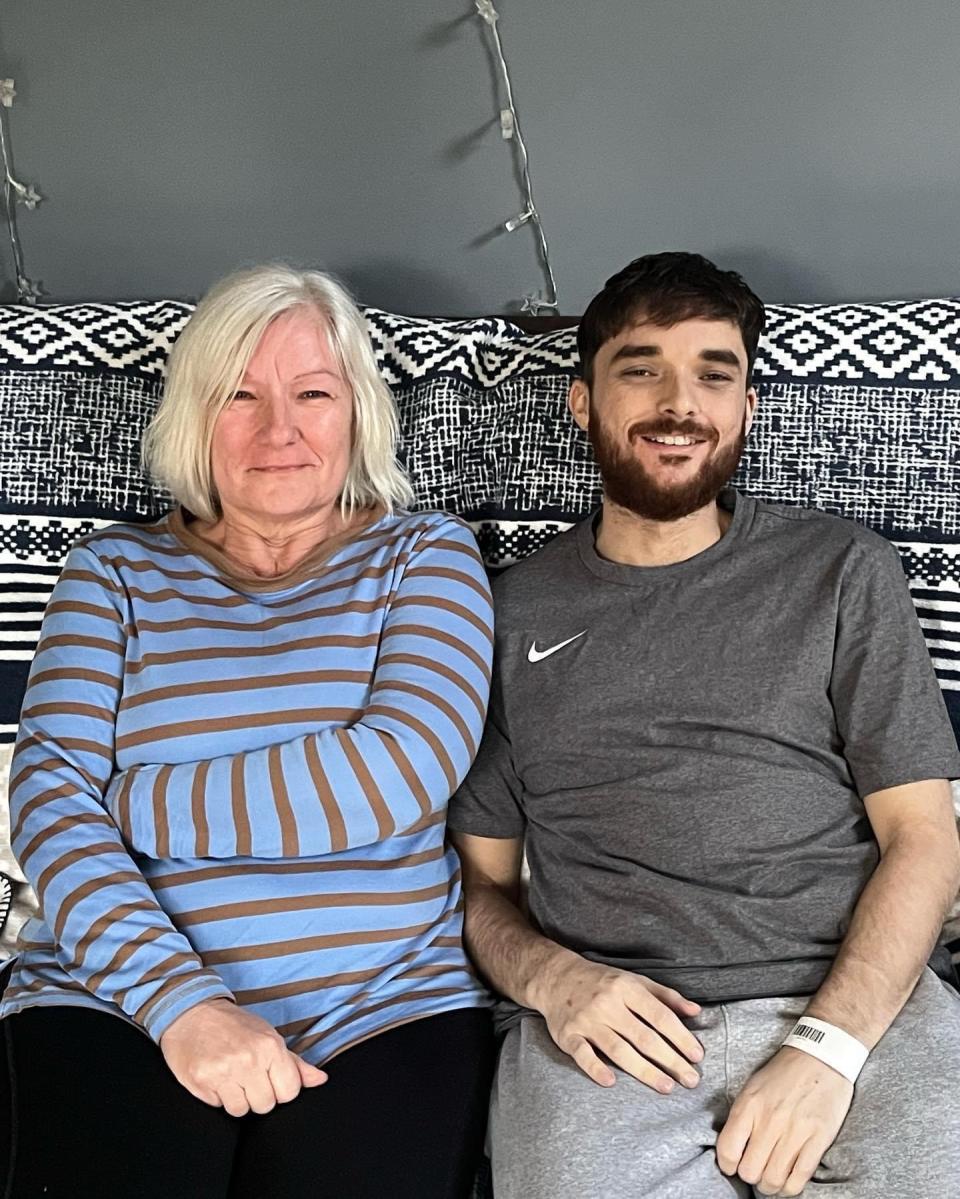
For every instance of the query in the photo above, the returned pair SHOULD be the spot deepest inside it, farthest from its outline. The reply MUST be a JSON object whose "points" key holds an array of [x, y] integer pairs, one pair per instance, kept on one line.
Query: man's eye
{"points": [[638, 370], [716, 377]]}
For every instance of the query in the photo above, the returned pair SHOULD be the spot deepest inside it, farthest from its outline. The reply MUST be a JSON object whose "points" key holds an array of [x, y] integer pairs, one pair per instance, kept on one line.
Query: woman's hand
{"points": [[232, 1059]]}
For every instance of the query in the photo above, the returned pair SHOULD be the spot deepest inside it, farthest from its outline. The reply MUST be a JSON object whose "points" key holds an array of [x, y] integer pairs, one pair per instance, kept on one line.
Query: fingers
{"points": [[310, 1076], [261, 1096], [656, 1004], [640, 1066], [639, 1052], [284, 1079], [763, 1139], [261, 1092], [233, 1099], [733, 1138], [230, 1058], [282, 1082], [807, 1161], [649, 1044], [580, 1049], [782, 1122], [598, 1010], [779, 1166], [673, 999]]}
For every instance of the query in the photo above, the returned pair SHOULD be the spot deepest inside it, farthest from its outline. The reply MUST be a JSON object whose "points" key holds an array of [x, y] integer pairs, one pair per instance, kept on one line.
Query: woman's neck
{"points": [[270, 548]]}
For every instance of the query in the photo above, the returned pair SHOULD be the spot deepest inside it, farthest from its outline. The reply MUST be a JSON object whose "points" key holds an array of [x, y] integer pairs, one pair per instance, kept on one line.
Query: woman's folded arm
{"points": [[112, 936], [338, 788]]}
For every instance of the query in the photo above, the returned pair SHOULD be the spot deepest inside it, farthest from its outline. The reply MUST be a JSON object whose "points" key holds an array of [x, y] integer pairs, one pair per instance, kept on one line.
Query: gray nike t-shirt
{"points": [[685, 747]]}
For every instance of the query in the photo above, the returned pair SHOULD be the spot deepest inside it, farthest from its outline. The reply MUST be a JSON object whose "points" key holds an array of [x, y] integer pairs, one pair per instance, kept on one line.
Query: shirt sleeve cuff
{"points": [[193, 992]]}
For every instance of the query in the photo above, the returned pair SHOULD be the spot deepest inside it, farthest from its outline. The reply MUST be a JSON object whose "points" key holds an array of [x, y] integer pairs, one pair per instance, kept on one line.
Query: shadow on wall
{"points": [[773, 277], [843, 264], [390, 284], [8, 285]]}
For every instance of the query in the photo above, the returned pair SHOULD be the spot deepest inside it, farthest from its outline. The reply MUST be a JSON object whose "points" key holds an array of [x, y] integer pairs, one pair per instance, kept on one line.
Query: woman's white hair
{"points": [[208, 362]]}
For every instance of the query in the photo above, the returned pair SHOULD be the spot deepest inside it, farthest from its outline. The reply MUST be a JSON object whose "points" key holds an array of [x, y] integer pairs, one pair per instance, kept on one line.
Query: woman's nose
{"points": [[278, 421]]}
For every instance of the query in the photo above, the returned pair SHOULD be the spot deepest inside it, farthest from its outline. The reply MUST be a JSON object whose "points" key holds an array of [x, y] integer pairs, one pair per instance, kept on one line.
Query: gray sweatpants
{"points": [[556, 1135]]}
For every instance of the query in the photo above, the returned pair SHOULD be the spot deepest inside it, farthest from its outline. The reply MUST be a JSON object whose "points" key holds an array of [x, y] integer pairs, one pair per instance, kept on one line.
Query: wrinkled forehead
{"points": [[299, 338]]}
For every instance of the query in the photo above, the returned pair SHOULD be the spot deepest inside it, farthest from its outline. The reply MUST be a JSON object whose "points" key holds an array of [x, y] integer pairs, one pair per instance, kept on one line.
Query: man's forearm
{"points": [[892, 932], [514, 958]]}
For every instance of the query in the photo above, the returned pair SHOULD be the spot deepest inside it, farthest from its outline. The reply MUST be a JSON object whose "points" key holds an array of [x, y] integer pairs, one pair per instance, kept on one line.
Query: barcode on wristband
{"points": [[809, 1033]]}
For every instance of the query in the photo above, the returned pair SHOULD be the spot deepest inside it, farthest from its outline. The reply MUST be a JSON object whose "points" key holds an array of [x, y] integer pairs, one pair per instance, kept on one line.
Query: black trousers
{"points": [[92, 1112]]}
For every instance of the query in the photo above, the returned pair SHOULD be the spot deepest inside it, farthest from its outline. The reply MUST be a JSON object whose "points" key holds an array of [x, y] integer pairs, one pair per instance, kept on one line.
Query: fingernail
{"points": [[691, 1080], [665, 1087]]}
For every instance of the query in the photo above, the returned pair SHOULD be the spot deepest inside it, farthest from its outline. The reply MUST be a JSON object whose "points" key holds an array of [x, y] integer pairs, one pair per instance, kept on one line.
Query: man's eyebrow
{"points": [[727, 357], [633, 351]]}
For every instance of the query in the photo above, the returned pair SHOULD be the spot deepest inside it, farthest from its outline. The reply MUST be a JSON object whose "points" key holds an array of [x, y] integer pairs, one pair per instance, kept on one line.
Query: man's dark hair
{"points": [[665, 289]]}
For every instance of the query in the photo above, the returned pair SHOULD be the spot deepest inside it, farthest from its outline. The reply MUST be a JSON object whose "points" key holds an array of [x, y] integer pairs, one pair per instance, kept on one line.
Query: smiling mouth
{"points": [[673, 440], [279, 469]]}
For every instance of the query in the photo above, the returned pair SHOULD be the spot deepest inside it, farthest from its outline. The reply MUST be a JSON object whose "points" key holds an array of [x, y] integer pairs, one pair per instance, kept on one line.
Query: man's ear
{"points": [[751, 412], [578, 401]]}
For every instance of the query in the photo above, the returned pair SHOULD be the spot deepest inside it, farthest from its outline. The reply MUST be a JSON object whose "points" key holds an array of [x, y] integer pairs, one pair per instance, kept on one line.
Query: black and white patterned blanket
{"points": [[859, 415]]}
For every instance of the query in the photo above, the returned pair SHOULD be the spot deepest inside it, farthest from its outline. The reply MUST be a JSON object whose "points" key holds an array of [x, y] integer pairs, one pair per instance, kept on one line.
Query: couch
{"points": [[859, 415]]}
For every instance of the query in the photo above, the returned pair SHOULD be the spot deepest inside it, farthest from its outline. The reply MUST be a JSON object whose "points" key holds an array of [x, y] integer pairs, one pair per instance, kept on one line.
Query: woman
{"points": [[241, 730]]}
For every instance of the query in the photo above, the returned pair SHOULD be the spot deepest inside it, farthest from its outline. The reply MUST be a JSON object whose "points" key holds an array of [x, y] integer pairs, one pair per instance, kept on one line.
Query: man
{"points": [[716, 730]]}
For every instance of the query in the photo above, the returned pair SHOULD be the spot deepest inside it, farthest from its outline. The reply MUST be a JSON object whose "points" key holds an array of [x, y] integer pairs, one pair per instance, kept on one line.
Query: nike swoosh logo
{"points": [[537, 655]]}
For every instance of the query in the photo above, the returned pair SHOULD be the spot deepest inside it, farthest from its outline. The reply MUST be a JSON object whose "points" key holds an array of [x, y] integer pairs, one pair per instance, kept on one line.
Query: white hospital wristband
{"points": [[830, 1044]]}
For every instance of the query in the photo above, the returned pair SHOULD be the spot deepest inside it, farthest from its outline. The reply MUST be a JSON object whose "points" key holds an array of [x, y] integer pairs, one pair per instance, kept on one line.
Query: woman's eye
{"points": [[314, 395], [242, 395]]}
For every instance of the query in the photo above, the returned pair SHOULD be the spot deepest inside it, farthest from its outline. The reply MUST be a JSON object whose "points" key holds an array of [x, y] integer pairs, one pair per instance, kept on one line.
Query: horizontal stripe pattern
{"points": [[223, 793], [936, 596]]}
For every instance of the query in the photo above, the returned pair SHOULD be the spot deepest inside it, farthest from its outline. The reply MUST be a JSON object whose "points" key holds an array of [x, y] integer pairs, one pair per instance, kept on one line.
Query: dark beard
{"points": [[627, 483]]}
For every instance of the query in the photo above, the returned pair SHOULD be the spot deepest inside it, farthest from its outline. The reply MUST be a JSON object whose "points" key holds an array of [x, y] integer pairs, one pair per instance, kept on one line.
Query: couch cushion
{"points": [[859, 415]]}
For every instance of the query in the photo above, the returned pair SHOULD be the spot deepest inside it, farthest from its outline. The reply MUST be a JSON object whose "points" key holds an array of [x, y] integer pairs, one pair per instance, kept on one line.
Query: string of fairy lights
{"points": [[539, 301], [16, 193]]}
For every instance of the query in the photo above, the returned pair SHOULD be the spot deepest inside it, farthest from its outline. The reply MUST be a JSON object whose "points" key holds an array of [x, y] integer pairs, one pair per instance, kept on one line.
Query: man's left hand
{"points": [[783, 1121]]}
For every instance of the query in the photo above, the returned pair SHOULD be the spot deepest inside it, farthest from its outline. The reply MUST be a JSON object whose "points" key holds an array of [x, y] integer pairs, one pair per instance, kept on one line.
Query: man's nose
{"points": [[678, 399]]}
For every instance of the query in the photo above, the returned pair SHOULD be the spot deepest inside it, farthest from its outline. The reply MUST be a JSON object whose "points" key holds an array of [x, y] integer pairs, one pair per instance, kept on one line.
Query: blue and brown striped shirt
{"points": [[236, 787]]}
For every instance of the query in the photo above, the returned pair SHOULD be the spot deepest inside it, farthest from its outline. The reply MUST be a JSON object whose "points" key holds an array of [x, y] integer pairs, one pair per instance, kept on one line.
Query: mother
{"points": [[242, 727]]}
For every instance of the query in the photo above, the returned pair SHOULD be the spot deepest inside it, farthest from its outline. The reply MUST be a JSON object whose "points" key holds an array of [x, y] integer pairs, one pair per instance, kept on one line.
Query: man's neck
{"points": [[634, 540]]}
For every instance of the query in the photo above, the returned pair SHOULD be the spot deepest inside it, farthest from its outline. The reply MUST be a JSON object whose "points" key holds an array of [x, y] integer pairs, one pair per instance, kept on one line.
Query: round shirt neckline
{"points": [[305, 570], [741, 507]]}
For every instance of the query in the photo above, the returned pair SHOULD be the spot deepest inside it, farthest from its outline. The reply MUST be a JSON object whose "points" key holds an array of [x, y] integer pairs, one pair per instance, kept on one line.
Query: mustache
{"points": [[664, 427]]}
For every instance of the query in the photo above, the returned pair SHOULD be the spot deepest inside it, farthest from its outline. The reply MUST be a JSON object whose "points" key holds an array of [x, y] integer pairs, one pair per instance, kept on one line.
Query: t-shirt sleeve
{"points": [[487, 802], [888, 705]]}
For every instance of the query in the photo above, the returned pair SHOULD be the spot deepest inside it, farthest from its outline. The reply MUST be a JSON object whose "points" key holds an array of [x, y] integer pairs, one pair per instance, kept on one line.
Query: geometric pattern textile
{"points": [[859, 416]]}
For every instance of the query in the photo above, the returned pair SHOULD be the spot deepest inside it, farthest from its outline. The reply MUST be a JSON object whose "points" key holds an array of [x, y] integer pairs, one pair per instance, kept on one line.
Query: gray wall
{"points": [[813, 144]]}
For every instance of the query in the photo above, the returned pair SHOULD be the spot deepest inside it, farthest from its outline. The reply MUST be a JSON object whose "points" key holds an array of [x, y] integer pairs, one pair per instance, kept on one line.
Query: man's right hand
{"points": [[232, 1059], [631, 1020]]}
